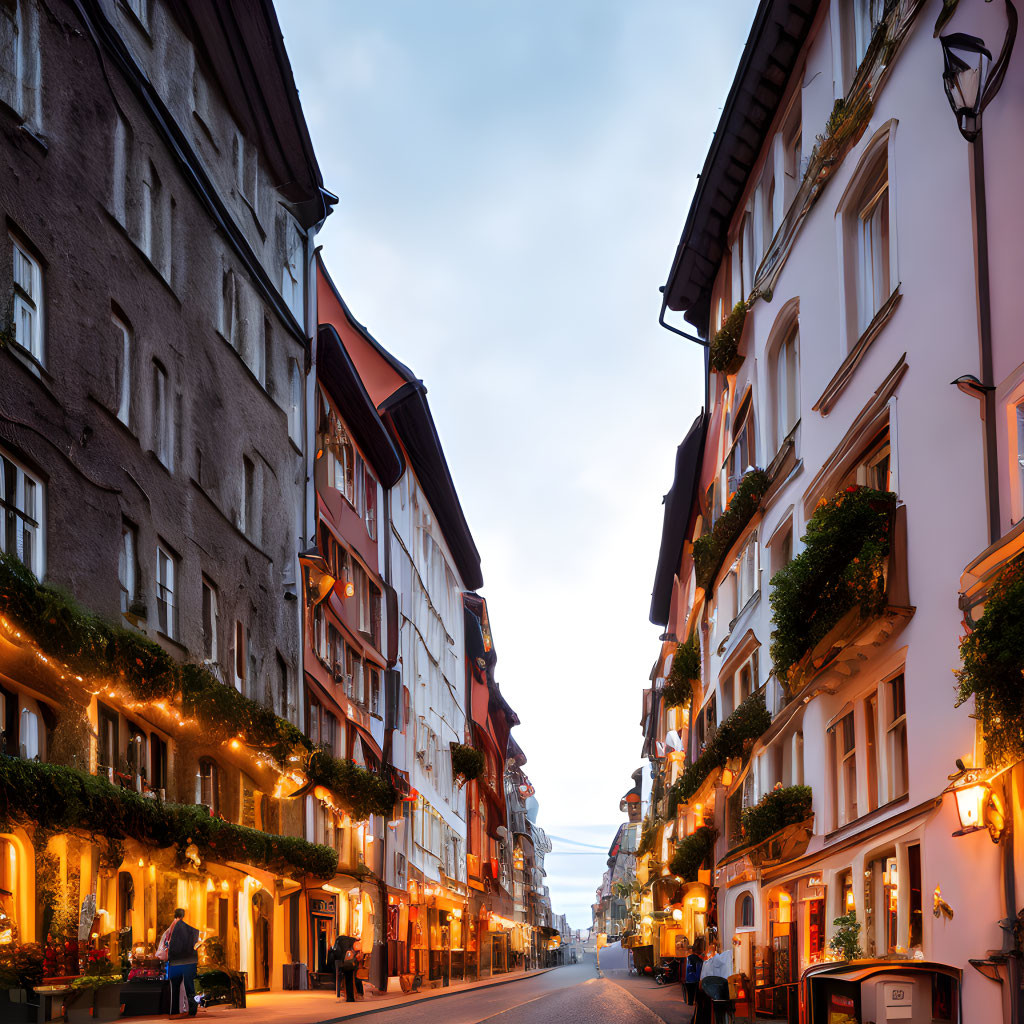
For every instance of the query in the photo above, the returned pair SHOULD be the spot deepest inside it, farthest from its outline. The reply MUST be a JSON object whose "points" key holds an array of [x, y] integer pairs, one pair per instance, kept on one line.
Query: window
{"points": [[28, 301], [375, 600], [375, 692], [871, 748], [207, 785], [166, 601], [241, 662], [786, 382], [873, 468], [126, 565], [107, 721], [340, 468], [21, 504], [782, 547], [362, 585], [261, 356], [1017, 417], [844, 749], [283, 694], [157, 762], [745, 911], [228, 306], [792, 153], [294, 402], [123, 370], [867, 16], [291, 270], [246, 177], [19, 58], [767, 198], [136, 750], [742, 455], [246, 512], [896, 750], [119, 170], [746, 573], [873, 248], [163, 422], [210, 652]]}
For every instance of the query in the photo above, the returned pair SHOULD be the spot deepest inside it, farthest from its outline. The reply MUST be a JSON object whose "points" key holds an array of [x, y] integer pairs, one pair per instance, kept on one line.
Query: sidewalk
{"points": [[320, 1006]]}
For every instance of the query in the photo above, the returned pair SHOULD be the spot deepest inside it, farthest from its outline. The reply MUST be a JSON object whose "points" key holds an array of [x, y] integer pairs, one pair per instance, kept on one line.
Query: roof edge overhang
{"points": [[769, 58], [340, 377]]}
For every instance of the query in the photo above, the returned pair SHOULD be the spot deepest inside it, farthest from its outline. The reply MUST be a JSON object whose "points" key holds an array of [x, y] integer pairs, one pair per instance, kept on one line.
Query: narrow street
{"points": [[569, 994]]}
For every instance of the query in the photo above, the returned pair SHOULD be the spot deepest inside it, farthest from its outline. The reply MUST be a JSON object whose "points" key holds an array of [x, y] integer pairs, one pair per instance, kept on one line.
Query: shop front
{"points": [[439, 932]]}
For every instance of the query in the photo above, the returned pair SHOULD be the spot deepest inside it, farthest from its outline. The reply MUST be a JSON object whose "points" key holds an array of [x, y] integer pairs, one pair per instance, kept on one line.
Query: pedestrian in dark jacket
{"points": [[344, 957], [182, 962]]}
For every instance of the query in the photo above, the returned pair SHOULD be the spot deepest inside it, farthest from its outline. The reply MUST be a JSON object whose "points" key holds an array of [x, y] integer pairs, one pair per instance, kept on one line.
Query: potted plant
{"points": [[93, 997]]}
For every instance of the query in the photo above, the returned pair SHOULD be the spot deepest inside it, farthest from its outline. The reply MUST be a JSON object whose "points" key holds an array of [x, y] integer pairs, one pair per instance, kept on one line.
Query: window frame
{"points": [[127, 560], [28, 300], [20, 513], [211, 617], [166, 610]]}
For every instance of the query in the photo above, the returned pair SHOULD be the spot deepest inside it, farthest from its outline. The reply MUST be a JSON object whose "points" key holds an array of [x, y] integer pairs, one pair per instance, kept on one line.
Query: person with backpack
{"points": [[345, 959], [178, 948]]}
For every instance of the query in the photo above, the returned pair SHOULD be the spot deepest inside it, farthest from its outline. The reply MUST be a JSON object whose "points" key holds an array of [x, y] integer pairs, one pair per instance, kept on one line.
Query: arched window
{"points": [[745, 911], [208, 785], [785, 382]]}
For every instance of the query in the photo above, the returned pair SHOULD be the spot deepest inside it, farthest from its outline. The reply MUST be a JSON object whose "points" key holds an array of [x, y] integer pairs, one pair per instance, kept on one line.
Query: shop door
{"points": [[262, 908]]}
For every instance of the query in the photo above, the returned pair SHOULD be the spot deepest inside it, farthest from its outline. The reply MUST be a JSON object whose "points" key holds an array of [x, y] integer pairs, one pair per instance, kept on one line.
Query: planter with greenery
{"points": [[845, 943], [992, 660], [710, 550], [724, 350], [467, 761], [842, 567], [58, 799], [734, 738], [685, 671], [361, 791], [692, 853], [783, 806]]}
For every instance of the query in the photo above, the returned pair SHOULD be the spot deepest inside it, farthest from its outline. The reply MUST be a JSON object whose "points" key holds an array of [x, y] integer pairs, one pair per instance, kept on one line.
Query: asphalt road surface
{"points": [[568, 995]]}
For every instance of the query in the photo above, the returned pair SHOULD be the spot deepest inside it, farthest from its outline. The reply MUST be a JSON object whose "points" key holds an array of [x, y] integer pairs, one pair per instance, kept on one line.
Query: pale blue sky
{"points": [[513, 178]]}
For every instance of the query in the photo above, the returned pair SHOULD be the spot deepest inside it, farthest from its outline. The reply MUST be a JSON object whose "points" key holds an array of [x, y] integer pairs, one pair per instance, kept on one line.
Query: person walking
{"points": [[178, 948], [345, 959]]}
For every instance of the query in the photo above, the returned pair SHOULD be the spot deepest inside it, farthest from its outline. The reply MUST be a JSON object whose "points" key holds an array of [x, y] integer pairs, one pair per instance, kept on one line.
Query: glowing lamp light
{"points": [[318, 574], [235, 744], [677, 914], [321, 792], [849, 901], [978, 806], [350, 588], [699, 903], [727, 777], [457, 913], [647, 919], [224, 885]]}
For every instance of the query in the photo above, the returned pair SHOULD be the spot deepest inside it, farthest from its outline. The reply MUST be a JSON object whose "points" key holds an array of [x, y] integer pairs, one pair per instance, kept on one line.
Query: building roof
{"points": [[339, 376], [769, 59], [414, 424], [678, 503], [240, 44]]}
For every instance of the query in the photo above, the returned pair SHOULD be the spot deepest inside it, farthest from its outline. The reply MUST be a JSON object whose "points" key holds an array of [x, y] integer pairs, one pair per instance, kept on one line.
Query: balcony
{"points": [[845, 593]]}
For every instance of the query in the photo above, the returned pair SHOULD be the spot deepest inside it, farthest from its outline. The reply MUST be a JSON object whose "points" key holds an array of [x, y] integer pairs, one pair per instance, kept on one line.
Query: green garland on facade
{"points": [[723, 352], [992, 656], [692, 853], [710, 550], [733, 738], [778, 808], [678, 689], [58, 799], [91, 646], [363, 792], [467, 761], [648, 833], [841, 567]]}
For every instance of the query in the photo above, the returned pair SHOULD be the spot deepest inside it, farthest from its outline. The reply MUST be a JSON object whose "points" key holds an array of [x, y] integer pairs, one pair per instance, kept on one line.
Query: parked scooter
{"points": [[667, 971]]}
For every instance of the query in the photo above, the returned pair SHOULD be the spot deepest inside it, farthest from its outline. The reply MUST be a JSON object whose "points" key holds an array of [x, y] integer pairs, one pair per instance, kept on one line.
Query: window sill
{"points": [[844, 374], [858, 823]]}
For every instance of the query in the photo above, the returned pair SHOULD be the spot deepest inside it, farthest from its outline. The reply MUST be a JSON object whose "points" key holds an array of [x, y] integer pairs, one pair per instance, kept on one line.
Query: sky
{"points": [[513, 179]]}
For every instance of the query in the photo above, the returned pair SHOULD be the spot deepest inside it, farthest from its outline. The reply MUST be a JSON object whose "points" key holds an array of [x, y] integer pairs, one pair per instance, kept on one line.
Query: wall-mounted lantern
{"points": [[317, 572], [977, 804]]}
